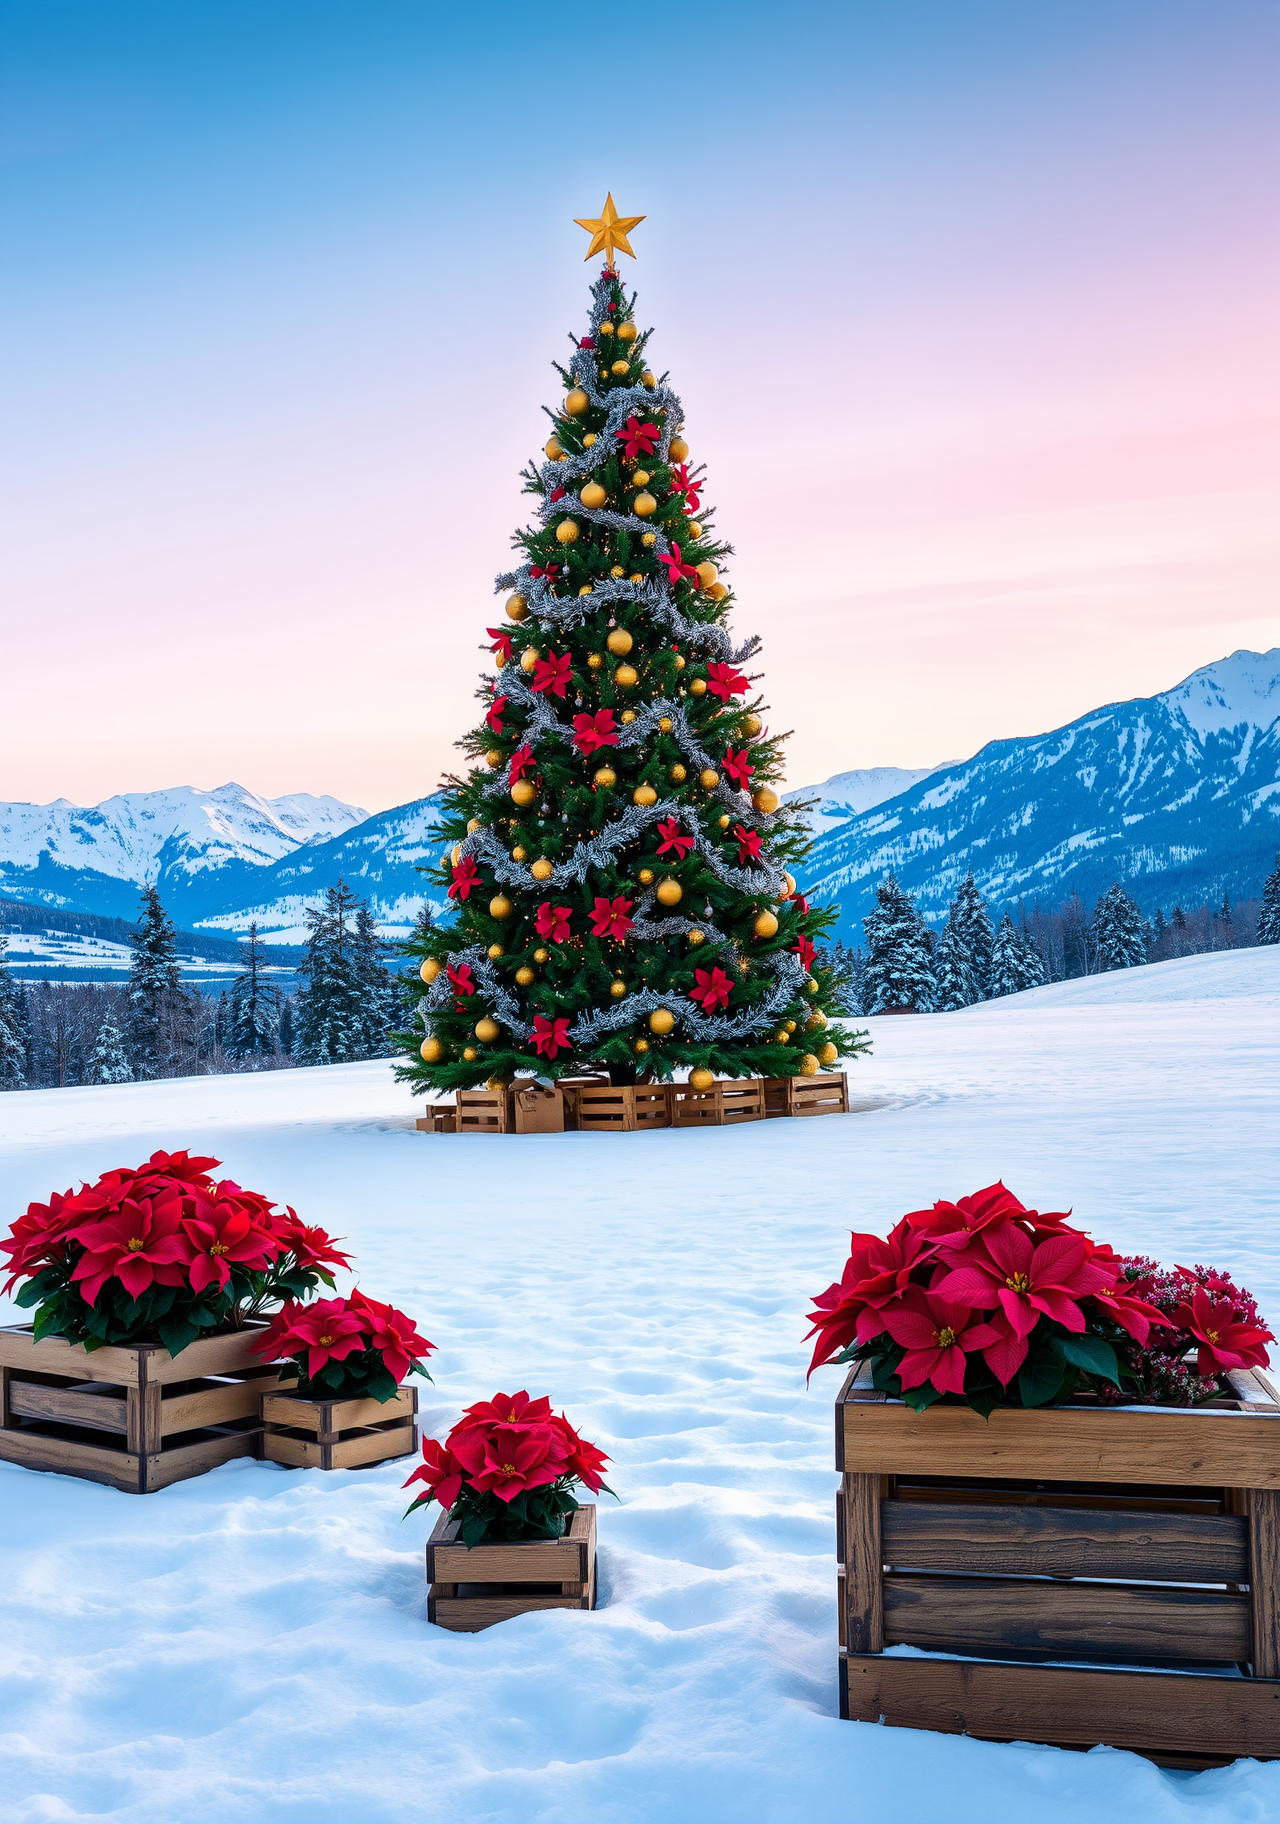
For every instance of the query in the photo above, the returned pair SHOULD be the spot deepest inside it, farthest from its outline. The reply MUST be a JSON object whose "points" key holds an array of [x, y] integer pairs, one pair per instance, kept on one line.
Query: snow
{"points": [[251, 1647], [1242, 688], [78, 956], [847, 795]]}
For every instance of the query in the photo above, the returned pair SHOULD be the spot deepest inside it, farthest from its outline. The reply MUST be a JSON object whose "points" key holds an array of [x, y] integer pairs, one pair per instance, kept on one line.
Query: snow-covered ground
{"points": [[253, 1645]]}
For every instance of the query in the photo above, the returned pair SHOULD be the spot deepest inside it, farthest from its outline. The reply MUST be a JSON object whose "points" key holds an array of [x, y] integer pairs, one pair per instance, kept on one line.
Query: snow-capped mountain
{"points": [[1177, 795], [846, 795], [192, 844]]}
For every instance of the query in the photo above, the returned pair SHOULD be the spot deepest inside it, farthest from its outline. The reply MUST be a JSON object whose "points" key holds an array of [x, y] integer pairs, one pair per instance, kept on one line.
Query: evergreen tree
{"points": [[12, 1051], [954, 967], [1015, 962], [1117, 930], [253, 1016], [899, 969], [154, 990], [1269, 917], [1031, 961], [973, 924], [330, 1026], [1226, 924], [107, 1061], [1159, 926], [377, 985], [618, 860], [286, 1026]]}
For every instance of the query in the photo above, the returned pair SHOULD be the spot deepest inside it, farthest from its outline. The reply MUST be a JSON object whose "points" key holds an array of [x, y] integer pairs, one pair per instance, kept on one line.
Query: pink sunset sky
{"points": [[974, 311]]}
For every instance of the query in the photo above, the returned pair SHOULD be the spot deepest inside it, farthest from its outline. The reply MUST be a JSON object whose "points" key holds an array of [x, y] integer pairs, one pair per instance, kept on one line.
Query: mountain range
{"points": [[1177, 794]]}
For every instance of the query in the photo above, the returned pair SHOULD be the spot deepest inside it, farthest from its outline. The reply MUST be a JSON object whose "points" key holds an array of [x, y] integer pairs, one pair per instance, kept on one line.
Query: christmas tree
{"points": [[1117, 930], [618, 855]]}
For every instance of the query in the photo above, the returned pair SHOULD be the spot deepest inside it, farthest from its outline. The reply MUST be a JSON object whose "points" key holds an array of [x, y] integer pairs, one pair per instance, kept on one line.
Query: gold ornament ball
{"points": [[680, 661], [606, 777], [500, 906], [697, 687], [525, 975], [640, 479], [522, 792], [495, 951], [664, 725], [765, 800], [766, 925], [644, 504], [781, 1036], [486, 1030], [567, 532], [586, 589], [811, 987], [495, 1083], [431, 1051], [637, 578], [661, 1020], [494, 758], [541, 956], [790, 880], [828, 1054], [647, 539], [628, 715], [707, 574], [708, 779], [617, 570], [679, 774], [679, 449], [648, 379], [470, 1054], [553, 449], [577, 403], [641, 1045], [808, 1065], [695, 530], [594, 661], [697, 937], [701, 1080], [816, 1021], [588, 440], [473, 824], [529, 658], [519, 853], [606, 329], [429, 968], [593, 495], [617, 990], [644, 794], [541, 869], [724, 820], [718, 591], [627, 332], [455, 854], [750, 726], [626, 676], [669, 891], [619, 642], [645, 877], [517, 608], [620, 366], [790, 1025]]}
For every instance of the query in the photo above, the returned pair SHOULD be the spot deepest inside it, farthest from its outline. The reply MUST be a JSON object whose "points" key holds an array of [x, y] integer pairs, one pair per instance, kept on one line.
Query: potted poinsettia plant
{"points": [[986, 1301]]}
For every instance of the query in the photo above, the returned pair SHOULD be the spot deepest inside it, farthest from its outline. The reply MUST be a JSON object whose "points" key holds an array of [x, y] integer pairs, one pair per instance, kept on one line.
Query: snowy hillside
{"points": [[1177, 795], [251, 1647], [847, 795]]}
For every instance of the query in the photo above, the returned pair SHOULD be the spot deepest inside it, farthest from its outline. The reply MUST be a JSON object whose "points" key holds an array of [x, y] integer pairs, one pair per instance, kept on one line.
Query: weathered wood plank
{"points": [[1132, 1497], [1264, 1561], [526, 1561], [371, 1447], [1023, 1541], [469, 1614], [70, 1405], [70, 1457], [864, 1624], [336, 1415], [1069, 1620], [184, 1460], [1153, 1713]]}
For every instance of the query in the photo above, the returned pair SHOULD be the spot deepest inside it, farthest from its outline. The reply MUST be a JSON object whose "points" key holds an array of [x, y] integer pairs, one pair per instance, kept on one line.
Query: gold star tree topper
{"points": [[609, 231]]}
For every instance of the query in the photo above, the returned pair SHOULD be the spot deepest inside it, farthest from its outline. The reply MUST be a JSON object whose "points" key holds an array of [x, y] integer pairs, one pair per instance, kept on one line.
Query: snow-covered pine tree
{"points": [[1226, 932], [1269, 917], [380, 1001], [154, 990], [1007, 963], [969, 911], [953, 967], [108, 1062], [252, 1018], [899, 969], [287, 1012], [619, 856], [330, 1016], [1031, 961], [1117, 930], [12, 1050]]}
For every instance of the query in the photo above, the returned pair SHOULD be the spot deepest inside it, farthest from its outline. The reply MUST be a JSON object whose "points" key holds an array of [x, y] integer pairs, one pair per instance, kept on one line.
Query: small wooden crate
{"points": [[622, 1109], [338, 1434], [470, 1590], [723, 1105], [823, 1095], [1138, 1537], [441, 1118], [484, 1111], [131, 1415], [536, 1109]]}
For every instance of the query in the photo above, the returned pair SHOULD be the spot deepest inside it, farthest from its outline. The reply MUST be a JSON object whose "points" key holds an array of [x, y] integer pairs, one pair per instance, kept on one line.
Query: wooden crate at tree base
{"points": [[470, 1590], [338, 1434], [535, 1109], [725, 1104], [1125, 1537], [131, 1416], [822, 1095], [441, 1118], [622, 1109]]}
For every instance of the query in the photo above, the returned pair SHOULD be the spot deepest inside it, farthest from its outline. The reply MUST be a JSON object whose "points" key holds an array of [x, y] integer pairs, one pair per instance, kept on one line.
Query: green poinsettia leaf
{"points": [[175, 1334], [1042, 1374], [919, 1399], [28, 1295], [382, 1385], [1095, 1355]]}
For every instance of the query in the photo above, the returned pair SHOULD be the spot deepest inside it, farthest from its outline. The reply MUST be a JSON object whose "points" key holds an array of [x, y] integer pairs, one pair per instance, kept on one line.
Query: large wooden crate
{"points": [[822, 1095], [725, 1104], [470, 1590], [133, 1417], [1142, 1539], [338, 1434], [619, 1109], [484, 1111]]}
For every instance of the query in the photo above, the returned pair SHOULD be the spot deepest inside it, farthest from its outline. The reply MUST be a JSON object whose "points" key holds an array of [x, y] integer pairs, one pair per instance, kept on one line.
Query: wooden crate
{"points": [[1144, 1539], [442, 1118], [470, 1590], [619, 1109], [822, 1095], [131, 1416], [484, 1111], [725, 1104], [536, 1109], [338, 1434]]}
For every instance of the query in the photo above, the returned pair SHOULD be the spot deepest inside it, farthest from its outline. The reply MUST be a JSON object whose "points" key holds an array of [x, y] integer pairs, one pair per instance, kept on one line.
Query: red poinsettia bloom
{"points": [[683, 483], [673, 839], [584, 1461], [637, 439], [801, 904], [460, 980], [1118, 1300], [493, 715], [724, 681], [553, 921], [141, 1244], [521, 762], [441, 1471], [587, 342], [738, 766], [553, 673], [515, 1458], [609, 917], [952, 1224], [310, 1247], [465, 876], [550, 1036], [35, 1238], [220, 1236], [592, 732], [1005, 1267], [557, 494], [328, 1331], [712, 988], [677, 569], [935, 1335], [1224, 1341], [548, 570], [501, 643], [391, 1333], [877, 1272], [749, 844], [505, 1409], [804, 949]]}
